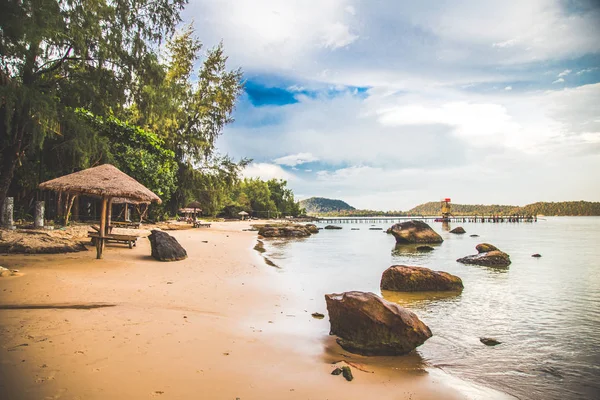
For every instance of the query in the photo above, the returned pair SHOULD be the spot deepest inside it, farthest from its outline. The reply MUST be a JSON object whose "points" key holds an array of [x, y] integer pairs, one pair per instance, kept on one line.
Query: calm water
{"points": [[546, 311]]}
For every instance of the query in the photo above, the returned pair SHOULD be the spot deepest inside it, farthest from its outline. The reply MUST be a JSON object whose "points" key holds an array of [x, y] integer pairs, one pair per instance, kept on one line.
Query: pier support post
{"points": [[38, 219]]}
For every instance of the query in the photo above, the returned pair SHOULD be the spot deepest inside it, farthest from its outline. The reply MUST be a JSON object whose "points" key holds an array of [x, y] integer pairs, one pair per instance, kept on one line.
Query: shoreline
{"points": [[215, 325]]}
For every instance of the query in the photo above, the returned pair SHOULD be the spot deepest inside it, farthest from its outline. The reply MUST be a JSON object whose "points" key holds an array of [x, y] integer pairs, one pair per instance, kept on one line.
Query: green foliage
{"points": [[189, 109], [138, 153], [56, 55]]}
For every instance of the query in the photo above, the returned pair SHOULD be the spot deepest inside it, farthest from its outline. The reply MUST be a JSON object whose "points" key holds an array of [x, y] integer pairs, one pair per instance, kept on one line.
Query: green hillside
{"points": [[320, 205]]}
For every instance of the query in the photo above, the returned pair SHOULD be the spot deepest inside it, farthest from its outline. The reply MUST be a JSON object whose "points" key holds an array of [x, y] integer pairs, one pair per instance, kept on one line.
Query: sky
{"points": [[387, 104]]}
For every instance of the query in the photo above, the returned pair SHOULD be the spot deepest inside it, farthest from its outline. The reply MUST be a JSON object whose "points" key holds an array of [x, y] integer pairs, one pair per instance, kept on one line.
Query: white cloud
{"points": [[508, 88], [266, 171], [337, 35], [295, 159], [506, 43], [564, 73], [586, 70], [559, 80]]}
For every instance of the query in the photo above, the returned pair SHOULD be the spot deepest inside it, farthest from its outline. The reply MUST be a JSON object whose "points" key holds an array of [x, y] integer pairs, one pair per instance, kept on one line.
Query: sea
{"points": [[545, 311]]}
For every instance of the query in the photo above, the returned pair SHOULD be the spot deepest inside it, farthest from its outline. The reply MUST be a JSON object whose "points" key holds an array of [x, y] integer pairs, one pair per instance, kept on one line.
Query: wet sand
{"points": [[213, 326]]}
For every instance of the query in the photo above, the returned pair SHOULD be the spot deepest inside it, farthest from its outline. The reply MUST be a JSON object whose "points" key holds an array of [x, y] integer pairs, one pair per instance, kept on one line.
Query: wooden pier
{"points": [[393, 220]]}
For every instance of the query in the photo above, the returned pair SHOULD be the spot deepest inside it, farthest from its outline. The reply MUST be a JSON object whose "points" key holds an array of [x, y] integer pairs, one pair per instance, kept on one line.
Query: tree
{"points": [[190, 116], [58, 54]]}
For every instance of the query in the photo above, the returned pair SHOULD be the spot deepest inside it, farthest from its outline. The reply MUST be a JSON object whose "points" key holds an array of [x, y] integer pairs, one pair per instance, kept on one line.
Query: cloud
{"points": [[337, 35], [266, 171], [564, 73], [398, 102], [296, 159], [506, 43], [586, 70]]}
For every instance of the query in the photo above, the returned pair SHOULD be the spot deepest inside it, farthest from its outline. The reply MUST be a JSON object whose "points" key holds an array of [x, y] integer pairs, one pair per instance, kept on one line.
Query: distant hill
{"points": [[563, 208], [433, 208], [320, 205], [317, 205]]}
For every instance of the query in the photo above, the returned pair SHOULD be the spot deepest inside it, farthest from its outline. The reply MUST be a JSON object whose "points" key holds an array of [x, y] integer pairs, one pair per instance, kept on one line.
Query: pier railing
{"points": [[377, 220]]}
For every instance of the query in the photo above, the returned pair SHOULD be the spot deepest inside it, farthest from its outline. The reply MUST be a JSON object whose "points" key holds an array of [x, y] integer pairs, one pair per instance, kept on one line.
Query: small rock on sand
{"points": [[489, 341], [536, 255], [318, 315]]}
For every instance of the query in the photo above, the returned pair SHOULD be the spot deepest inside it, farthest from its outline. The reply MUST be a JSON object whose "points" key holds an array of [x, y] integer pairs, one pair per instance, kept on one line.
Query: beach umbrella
{"points": [[106, 182], [243, 214], [195, 205]]}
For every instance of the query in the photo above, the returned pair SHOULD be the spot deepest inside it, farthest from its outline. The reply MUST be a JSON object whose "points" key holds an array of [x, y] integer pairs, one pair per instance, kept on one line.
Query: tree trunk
{"points": [[9, 162]]}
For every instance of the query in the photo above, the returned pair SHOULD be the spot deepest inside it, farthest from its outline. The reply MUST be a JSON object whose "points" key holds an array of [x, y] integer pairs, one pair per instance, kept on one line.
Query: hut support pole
{"points": [[109, 215], [100, 241]]}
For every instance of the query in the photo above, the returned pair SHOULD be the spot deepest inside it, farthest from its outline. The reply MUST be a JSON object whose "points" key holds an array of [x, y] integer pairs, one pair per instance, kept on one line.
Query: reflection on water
{"points": [[545, 311], [414, 300], [411, 249]]}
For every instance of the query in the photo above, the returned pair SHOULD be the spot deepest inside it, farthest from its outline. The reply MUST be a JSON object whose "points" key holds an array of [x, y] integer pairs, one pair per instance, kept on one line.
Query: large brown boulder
{"points": [[269, 231], [415, 232], [488, 256], [402, 278], [165, 247], [369, 325], [459, 230]]}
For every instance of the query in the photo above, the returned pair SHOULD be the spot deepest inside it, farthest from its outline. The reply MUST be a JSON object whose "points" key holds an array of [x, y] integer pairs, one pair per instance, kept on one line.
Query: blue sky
{"points": [[389, 104]]}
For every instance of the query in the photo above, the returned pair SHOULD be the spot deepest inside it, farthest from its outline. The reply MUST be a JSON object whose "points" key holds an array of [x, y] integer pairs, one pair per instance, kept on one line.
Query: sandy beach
{"points": [[214, 326]]}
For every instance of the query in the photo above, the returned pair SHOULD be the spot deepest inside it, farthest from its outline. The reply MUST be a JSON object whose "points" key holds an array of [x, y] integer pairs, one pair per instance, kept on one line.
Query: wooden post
{"points": [[69, 209], [100, 241], [109, 215]]}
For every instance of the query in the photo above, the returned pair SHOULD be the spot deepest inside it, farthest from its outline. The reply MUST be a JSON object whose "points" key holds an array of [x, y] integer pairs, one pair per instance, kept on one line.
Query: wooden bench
{"points": [[200, 224], [125, 239]]}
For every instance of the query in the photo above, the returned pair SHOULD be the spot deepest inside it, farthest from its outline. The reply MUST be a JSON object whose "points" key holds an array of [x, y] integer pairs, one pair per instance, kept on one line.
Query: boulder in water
{"points": [[312, 228], [403, 278], [165, 247], [332, 227], [415, 232], [459, 230], [488, 256], [474, 235], [369, 325], [290, 230], [536, 255]]}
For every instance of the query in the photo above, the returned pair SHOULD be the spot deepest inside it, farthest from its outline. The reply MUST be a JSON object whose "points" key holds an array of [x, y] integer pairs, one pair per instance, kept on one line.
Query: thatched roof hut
{"points": [[102, 181], [106, 182]]}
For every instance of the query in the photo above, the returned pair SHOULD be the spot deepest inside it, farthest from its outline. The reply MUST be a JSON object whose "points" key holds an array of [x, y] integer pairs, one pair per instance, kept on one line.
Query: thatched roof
{"points": [[104, 180], [194, 204]]}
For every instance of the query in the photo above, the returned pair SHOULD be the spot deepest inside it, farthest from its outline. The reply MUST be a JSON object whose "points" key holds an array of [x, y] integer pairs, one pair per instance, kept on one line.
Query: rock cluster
{"points": [[402, 278], [369, 325], [291, 230], [415, 232], [488, 256], [165, 247]]}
